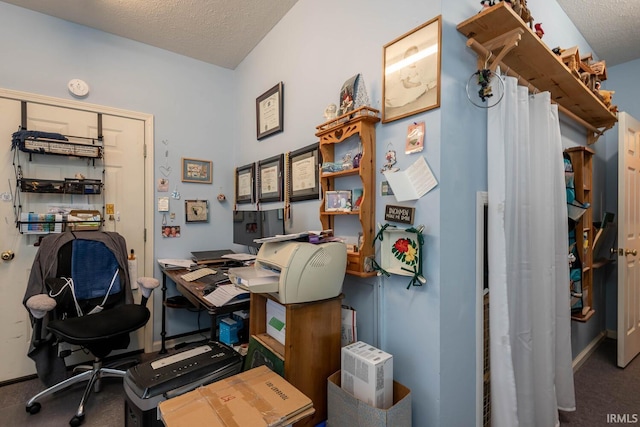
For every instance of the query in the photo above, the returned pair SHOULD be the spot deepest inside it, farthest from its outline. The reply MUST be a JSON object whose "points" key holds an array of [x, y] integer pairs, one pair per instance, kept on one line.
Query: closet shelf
{"points": [[500, 37]]}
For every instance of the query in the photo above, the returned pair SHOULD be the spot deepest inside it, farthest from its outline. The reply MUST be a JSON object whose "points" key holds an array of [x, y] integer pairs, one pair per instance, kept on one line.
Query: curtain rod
{"points": [[481, 50]]}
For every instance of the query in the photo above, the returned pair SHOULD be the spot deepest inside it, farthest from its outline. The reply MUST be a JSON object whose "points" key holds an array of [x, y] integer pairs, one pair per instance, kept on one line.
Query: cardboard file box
{"points": [[344, 410], [255, 398]]}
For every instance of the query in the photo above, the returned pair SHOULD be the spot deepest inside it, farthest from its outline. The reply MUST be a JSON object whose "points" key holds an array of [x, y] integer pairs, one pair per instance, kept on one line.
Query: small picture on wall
{"points": [[170, 231]]}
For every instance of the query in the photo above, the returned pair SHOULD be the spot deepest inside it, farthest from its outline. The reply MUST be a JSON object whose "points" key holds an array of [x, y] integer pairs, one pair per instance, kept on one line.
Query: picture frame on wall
{"points": [[194, 170], [270, 112], [245, 184], [303, 173], [196, 210], [269, 179], [411, 72]]}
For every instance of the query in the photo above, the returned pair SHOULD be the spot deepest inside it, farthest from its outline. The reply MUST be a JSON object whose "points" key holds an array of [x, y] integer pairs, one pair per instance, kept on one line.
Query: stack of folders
{"points": [[255, 279]]}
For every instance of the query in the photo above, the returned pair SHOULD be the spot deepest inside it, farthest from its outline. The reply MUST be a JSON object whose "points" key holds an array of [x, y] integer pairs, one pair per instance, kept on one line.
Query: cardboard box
{"points": [[258, 398], [344, 410], [367, 374], [276, 320]]}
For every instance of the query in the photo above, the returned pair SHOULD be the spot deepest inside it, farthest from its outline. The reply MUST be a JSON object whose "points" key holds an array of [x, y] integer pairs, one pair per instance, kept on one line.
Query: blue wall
{"points": [[204, 111]]}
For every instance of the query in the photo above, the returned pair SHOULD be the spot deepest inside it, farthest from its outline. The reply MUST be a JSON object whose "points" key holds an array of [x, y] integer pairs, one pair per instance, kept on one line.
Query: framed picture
{"points": [[245, 184], [269, 179], [194, 170], [196, 210], [270, 112], [411, 74], [303, 173], [337, 201]]}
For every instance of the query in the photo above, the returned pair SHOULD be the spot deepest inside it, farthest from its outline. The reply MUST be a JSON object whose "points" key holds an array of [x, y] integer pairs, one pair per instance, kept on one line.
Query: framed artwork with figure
{"points": [[411, 74]]}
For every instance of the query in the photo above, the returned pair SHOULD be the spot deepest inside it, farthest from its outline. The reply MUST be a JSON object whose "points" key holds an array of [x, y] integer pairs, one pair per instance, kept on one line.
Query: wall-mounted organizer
{"points": [[33, 193], [360, 124], [501, 38]]}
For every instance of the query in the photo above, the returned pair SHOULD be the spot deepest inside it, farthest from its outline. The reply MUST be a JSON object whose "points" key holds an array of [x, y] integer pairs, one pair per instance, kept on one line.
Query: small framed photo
{"points": [[337, 201], [303, 165], [245, 184], [196, 210], [194, 170], [411, 75], [270, 112], [269, 179], [356, 198]]}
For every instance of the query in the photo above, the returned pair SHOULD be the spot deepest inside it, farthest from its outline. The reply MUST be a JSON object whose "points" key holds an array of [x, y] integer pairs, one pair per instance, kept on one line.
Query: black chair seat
{"points": [[101, 326]]}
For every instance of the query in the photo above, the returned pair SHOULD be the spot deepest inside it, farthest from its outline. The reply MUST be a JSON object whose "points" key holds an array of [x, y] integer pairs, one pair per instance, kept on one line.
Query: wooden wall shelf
{"points": [[500, 37]]}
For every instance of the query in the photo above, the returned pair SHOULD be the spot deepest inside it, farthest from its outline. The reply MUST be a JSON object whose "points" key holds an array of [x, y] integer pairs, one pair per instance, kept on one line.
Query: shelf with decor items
{"points": [[582, 162], [501, 38], [35, 152], [359, 125], [311, 349]]}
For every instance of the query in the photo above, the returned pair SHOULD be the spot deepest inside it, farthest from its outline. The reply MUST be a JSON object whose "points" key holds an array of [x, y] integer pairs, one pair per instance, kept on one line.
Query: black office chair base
{"points": [[93, 377]]}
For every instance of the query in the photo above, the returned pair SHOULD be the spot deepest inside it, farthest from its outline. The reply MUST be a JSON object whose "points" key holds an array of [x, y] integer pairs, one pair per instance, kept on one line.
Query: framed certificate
{"points": [[303, 174], [269, 112], [245, 184], [270, 179]]}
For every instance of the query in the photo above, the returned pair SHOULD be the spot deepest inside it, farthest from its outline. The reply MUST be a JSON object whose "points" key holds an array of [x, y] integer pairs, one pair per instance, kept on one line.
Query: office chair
{"points": [[88, 303]]}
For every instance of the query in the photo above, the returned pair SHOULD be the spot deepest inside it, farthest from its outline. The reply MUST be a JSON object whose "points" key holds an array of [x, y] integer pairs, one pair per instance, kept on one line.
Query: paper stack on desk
{"points": [[227, 294]]}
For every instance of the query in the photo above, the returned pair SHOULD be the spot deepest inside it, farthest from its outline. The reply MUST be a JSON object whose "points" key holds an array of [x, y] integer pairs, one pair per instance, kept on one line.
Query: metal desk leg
{"points": [[163, 332]]}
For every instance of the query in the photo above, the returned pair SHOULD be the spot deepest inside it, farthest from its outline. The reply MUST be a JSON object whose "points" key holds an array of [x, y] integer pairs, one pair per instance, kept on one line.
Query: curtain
{"points": [[529, 313]]}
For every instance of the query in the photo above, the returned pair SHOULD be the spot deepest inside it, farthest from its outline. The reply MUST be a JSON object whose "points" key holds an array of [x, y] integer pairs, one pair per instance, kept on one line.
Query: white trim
{"points": [[611, 334], [481, 200], [588, 351], [148, 167]]}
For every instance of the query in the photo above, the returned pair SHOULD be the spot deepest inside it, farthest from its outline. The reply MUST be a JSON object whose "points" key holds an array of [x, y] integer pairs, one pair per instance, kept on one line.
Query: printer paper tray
{"points": [[261, 288]]}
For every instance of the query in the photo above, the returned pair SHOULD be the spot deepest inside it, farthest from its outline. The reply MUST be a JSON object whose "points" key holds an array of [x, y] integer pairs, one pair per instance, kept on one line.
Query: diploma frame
{"points": [[270, 187], [244, 174], [270, 112], [298, 159]]}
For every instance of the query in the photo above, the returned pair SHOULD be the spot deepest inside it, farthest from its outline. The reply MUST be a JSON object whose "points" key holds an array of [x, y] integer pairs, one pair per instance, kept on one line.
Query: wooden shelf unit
{"points": [[500, 37], [360, 122], [582, 161], [311, 352]]}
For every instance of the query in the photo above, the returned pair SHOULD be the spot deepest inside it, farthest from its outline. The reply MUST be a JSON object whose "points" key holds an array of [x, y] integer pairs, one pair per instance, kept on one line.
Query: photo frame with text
{"points": [[270, 112], [245, 184], [269, 179], [411, 73], [303, 173], [194, 170]]}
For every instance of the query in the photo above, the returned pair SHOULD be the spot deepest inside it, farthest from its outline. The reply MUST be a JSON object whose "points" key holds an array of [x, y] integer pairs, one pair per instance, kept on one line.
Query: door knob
{"points": [[7, 255], [631, 252]]}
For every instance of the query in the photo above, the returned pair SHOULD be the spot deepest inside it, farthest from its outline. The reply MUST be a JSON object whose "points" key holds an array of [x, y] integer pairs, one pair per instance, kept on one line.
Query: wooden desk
{"points": [[192, 291]]}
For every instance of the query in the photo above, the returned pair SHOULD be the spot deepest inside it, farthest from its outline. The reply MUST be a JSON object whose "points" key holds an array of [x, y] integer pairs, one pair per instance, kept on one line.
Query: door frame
{"points": [[148, 171]]}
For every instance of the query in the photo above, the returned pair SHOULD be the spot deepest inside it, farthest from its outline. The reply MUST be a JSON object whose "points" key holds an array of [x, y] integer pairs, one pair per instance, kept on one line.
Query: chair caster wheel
{"points": [[34, 408], [76, 421]]}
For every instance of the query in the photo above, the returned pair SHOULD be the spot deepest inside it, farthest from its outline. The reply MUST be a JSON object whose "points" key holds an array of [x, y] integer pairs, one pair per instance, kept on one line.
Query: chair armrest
{"points": [[40, 304], [147, 285]]}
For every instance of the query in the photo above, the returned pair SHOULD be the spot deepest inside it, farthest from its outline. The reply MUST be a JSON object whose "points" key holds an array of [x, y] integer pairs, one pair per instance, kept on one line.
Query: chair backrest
{"points": [[87, 272]]}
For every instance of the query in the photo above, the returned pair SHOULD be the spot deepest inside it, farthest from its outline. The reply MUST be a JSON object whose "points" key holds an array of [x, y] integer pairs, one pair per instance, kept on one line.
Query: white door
{"points": [[124, 167], [628, 238]]}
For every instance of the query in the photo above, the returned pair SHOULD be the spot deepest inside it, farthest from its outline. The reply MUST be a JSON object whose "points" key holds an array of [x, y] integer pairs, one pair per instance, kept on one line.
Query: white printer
{"points": [[295, 272]]}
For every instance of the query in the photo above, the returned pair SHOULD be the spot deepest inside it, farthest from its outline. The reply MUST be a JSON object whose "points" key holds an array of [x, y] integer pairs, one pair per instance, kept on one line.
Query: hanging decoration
{"points": [[401, 253], [485, 88]]}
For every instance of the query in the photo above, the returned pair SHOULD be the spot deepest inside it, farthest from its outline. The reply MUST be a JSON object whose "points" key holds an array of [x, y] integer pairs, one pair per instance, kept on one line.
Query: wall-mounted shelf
{"points": [[501, 38]]}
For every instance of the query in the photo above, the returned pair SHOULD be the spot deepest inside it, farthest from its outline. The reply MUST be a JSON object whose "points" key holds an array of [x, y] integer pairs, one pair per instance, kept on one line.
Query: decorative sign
{"points": [[401, 214]]}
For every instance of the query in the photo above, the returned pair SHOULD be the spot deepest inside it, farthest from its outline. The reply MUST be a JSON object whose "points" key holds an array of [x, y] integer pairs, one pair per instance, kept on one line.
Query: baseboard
{"points": [[612, 334], [588, 350]]}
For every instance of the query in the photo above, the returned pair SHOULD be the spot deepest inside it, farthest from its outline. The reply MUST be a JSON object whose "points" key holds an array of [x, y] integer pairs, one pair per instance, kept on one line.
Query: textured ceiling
{"points": [[223, 32], [610, 27], [220, 32]]}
